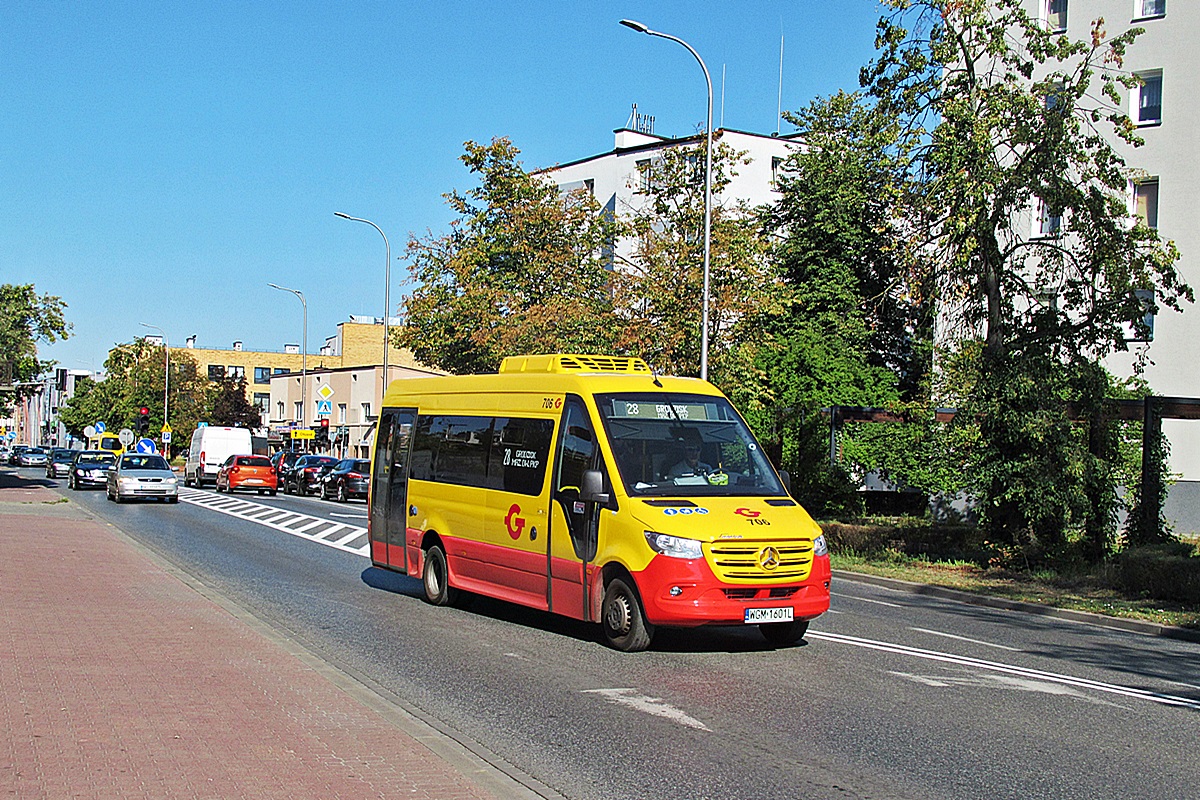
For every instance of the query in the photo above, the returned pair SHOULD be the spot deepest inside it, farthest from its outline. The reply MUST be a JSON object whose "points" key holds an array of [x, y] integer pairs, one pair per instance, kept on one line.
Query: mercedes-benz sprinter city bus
{"points": [[591, 487]]}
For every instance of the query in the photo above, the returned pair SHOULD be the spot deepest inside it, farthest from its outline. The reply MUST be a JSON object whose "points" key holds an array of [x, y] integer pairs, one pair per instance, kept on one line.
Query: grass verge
{"points": [[1085, 591]]}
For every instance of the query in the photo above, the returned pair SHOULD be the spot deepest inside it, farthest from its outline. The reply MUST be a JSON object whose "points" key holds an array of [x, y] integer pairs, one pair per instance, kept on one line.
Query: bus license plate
{"points": [[756, 616]]}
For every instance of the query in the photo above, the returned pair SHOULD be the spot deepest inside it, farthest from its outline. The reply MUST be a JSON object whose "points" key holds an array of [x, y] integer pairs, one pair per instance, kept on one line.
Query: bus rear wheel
{"points": [[625, 625], [784, 633], [436, 578]]}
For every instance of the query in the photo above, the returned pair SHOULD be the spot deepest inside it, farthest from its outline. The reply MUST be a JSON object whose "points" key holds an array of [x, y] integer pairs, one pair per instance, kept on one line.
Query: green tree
{"points": [[851, 328], [658, 288], [26, 318], [1006, 126], [522, 270], [228, 404], [133, 377]]}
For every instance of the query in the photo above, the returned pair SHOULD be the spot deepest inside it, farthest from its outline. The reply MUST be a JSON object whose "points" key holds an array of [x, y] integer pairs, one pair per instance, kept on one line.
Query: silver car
{"points": [[33, 457], [142, 475]]}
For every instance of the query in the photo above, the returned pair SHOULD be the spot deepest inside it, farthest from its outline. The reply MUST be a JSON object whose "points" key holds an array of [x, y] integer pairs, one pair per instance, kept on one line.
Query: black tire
{"points": [[341, 493], [784, 633], [173, 499], [435, 577], [272, 492], [217, 486], [623, 620]]}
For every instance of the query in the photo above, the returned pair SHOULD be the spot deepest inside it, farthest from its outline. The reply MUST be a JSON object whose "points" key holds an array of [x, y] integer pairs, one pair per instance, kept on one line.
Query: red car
{"points": [[247, 472]]}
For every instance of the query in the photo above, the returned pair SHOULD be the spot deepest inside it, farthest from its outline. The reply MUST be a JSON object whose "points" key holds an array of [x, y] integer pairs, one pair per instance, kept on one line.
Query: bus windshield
{"points": [[684, 445]]}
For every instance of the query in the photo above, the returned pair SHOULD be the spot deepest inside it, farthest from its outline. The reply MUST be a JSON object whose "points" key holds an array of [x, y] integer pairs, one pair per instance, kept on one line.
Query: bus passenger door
{"points": [[574, 523], [389, 488]]}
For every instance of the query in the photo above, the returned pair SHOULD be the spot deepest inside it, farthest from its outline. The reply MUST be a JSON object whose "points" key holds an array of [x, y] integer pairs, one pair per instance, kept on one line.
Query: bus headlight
{"points": [[674, 546], [820, 547]]}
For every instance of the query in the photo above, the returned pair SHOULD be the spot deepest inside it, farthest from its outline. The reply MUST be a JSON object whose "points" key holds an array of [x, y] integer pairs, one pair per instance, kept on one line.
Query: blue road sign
{"points": [[12, 435], [145, 446], [324, 407], [100, 427]]}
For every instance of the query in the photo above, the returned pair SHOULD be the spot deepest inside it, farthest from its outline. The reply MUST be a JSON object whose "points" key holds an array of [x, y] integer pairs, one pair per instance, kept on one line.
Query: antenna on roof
{"points": [[642, 123]]}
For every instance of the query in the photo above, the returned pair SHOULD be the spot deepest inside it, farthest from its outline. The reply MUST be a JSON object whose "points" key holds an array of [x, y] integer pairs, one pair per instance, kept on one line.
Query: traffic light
{"points": [[323, 430], [143, 423]]}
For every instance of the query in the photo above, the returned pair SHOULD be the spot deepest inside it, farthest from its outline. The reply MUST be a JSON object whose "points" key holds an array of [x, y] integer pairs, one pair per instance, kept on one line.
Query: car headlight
{"points": [[820, 547], [674, 546], [171, 481]]}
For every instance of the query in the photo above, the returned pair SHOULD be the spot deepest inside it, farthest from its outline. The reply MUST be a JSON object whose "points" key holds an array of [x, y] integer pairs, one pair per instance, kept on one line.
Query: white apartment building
{"points": [[615, 178], [1164, 189]]}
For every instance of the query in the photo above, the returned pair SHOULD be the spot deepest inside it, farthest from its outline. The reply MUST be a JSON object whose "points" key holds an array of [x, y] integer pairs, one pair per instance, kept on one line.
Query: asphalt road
{"points": [[891, 695]]}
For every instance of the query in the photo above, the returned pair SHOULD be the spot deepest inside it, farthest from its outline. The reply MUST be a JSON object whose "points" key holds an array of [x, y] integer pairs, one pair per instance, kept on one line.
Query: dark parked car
{"points": [[60, 462], [283, 462], [14, 455], [350, 478], [90, 468], [306, 474]]}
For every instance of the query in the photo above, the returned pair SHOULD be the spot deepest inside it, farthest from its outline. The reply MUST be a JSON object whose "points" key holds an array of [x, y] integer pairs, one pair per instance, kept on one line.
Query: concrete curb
{"points": [[1085, 617]]}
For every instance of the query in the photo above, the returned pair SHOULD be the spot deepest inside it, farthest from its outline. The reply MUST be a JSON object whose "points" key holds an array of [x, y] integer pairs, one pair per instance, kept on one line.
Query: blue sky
{"points": [[161, 162]]}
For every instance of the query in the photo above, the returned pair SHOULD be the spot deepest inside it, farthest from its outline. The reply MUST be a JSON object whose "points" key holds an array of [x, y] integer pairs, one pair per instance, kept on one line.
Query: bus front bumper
{"points": [[686, 593]]}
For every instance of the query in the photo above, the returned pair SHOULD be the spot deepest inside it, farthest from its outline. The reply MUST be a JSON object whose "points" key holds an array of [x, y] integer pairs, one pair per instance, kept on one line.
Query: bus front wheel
{"points": [[625, 625], [436, 577]]}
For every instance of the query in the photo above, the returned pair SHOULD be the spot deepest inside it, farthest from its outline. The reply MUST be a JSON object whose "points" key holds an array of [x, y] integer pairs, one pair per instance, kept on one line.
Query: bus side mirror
{"points": [[786, 477], [592, 490]]}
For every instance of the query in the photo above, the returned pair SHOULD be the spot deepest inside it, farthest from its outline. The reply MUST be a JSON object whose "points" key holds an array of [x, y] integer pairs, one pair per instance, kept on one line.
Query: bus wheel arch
{"points": [[622, 615], [435, 572]]}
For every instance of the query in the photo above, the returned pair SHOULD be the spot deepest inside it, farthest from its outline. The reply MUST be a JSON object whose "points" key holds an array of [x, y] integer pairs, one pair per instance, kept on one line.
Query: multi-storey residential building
{"points": [[1164, 189], [617, 177]]}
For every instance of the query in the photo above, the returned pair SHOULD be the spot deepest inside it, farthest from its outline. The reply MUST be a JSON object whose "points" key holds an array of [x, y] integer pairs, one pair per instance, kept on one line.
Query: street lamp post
{"points": [[387, 285], [640, 28], [303, 355], [166, 370]]}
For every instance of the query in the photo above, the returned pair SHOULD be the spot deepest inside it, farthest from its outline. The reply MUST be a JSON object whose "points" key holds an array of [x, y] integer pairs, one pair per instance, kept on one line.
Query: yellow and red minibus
{"points": [[591, 487]]}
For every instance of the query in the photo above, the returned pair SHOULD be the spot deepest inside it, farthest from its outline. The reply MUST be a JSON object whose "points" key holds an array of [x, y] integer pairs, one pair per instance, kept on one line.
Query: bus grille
{"points": [[743, 560]]}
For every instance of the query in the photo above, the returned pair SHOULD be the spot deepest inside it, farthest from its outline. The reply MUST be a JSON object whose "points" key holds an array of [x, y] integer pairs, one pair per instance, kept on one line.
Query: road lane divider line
{"points": [[965, 639], [1009, 669]]}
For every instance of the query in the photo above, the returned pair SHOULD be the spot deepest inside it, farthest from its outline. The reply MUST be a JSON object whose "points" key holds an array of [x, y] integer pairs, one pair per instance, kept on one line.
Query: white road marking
{"points": [[965, 639], [949, 658], [253, 512], [648, 705], [348, 516], [986, 681], [865, 600]]}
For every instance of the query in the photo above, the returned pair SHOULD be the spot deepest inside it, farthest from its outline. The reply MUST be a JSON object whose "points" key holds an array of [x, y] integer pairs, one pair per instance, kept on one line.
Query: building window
{"points": [[233, 371], [1056, 15], [262, 374], [776, 168], [279, 410], [1145, 202], [1145, 9], [366, 411], [1049, 221], [216, 372], [644, 174], [280, 371], [341, 413], [1147, 99], [263, 401], [298, 410]]}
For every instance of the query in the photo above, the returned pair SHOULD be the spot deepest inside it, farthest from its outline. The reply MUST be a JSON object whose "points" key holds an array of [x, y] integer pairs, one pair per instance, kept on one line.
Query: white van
{"points": [[210, 446]]}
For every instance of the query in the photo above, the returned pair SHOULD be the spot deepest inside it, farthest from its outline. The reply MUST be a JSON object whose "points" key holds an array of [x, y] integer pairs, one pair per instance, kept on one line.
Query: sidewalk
{"points": [[120, 679]]}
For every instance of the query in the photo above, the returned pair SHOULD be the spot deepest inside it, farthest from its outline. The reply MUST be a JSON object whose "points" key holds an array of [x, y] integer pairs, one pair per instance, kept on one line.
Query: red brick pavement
{"points": [[119, 680]]}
